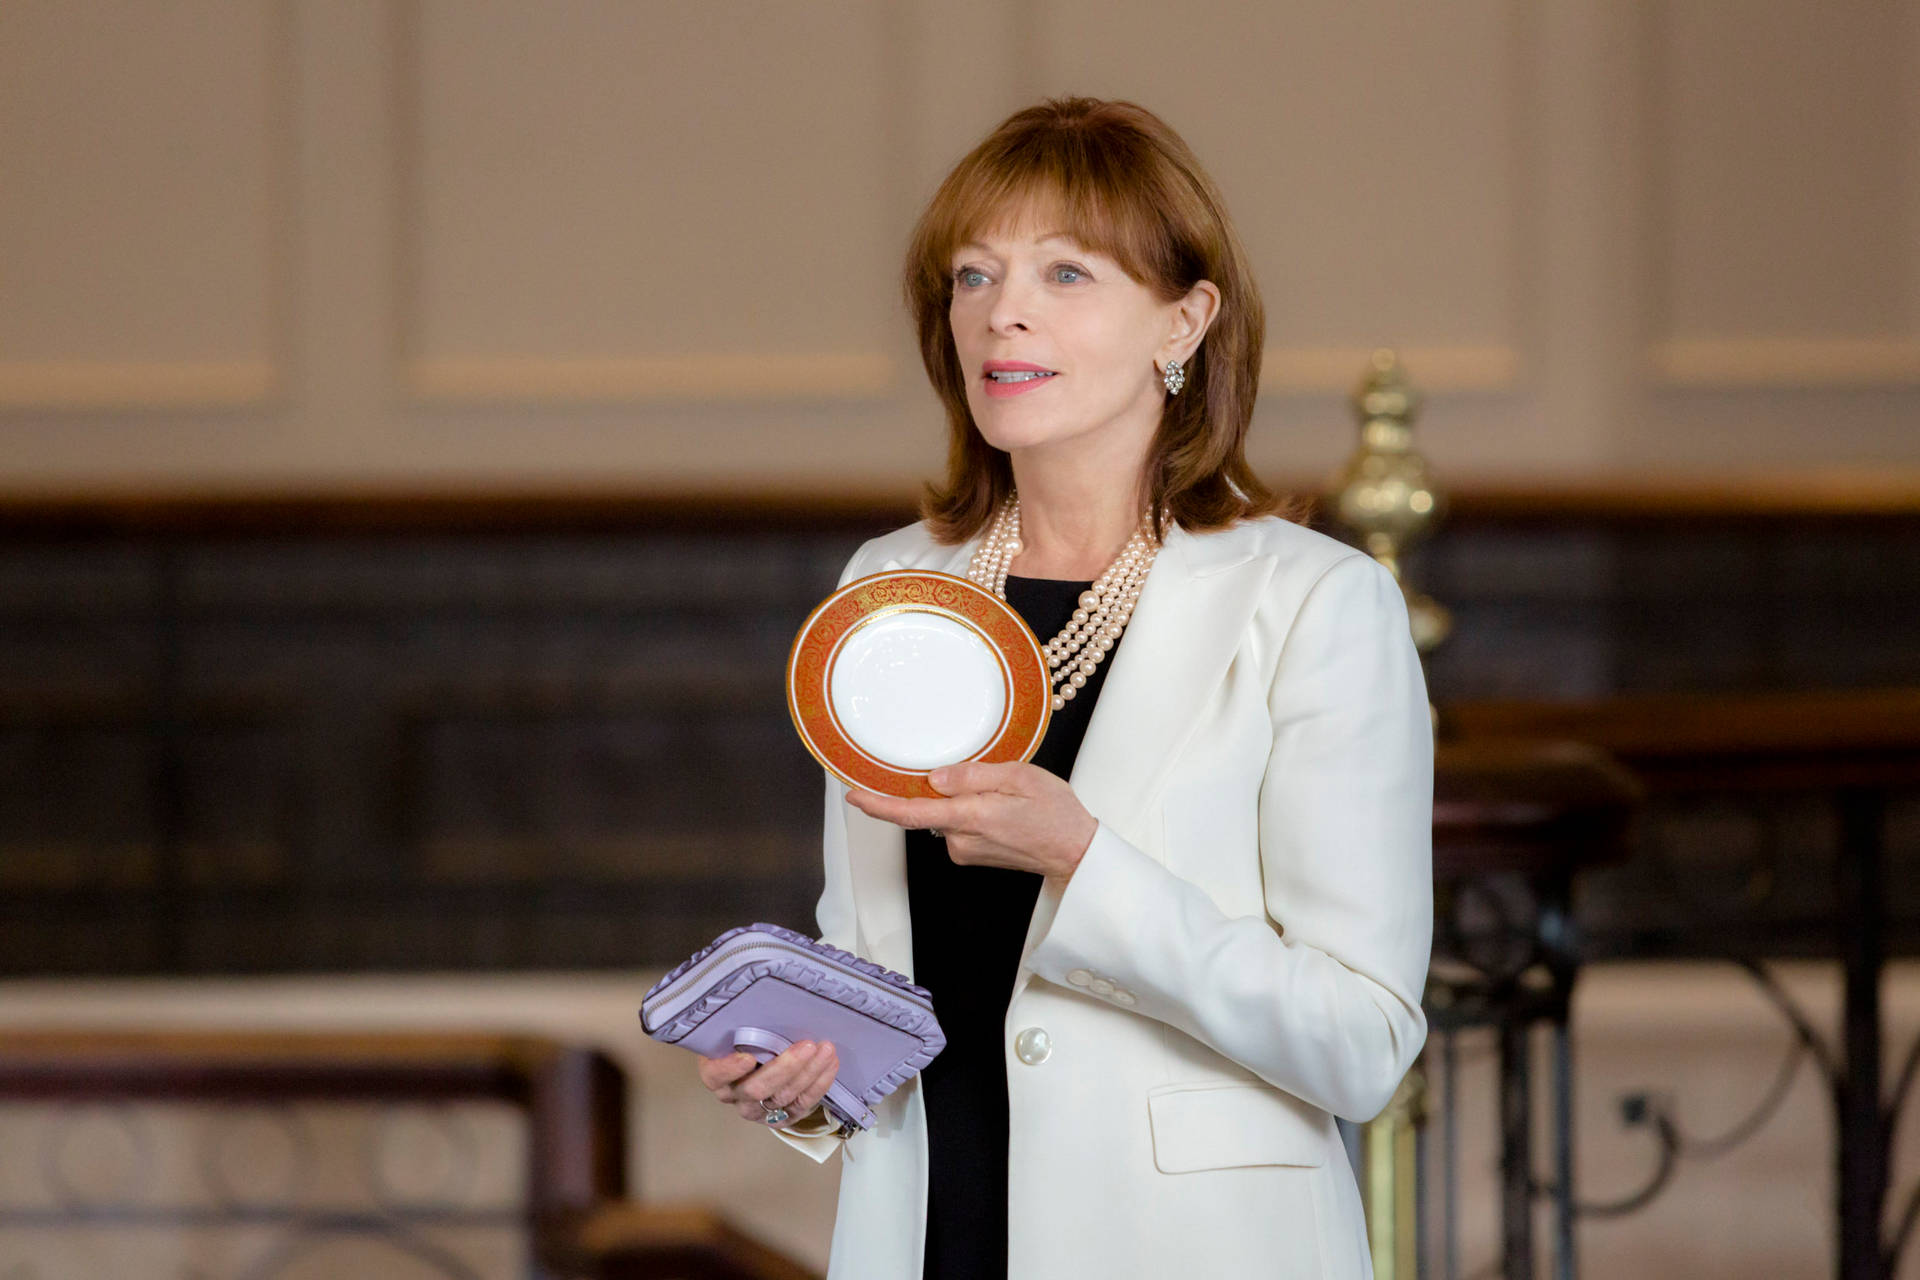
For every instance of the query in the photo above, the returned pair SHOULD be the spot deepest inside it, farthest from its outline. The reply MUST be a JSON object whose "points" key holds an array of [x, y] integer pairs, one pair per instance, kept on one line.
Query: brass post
{"points": [[1392, 1160], [1384, 496]]}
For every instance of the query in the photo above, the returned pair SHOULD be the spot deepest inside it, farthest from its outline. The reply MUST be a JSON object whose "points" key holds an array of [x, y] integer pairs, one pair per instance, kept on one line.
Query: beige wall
{"points": [[426, 242]]}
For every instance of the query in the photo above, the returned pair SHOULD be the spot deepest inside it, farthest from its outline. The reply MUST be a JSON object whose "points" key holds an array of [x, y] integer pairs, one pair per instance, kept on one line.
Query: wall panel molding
{"points": [[1758, 361], [636, 378], [701, 376], [1733, 364], [66, 384], [1492, 367], [1329, 370]]}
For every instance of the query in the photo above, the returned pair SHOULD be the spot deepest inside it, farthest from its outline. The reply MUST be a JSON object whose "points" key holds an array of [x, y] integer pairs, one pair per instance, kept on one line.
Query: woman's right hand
{"points": [[796, 1080]]}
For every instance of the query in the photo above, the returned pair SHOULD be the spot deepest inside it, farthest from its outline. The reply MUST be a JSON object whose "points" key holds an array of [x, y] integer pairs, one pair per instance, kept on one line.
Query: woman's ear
{"points": [[1192, 316]]}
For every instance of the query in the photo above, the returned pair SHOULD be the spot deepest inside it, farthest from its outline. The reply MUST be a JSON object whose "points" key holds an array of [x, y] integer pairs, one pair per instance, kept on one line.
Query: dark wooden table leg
{"points": [[1565, 1263], [1862, 1184], [1516, 1151], [1559, 938]]}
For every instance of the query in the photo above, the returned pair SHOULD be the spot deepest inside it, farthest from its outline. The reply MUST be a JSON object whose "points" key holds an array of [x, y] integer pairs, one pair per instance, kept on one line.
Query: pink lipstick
{"points": [[1004, 378]]}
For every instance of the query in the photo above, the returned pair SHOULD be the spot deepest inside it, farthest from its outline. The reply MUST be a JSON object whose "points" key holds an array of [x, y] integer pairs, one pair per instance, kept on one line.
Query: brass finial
{"points": [[1383, 493]]}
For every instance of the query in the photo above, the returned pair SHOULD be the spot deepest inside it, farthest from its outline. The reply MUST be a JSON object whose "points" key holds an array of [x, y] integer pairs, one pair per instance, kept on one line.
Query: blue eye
{"points": [[964, 277], [1075, 272]]}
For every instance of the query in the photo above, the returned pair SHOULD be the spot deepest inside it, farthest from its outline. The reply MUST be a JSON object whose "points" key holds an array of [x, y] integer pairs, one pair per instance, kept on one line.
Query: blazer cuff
{"points": [[1114, 887]]}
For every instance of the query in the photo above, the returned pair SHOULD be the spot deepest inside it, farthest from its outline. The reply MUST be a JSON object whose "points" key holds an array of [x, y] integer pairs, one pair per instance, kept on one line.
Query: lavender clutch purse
{"points": [[760, 988]]}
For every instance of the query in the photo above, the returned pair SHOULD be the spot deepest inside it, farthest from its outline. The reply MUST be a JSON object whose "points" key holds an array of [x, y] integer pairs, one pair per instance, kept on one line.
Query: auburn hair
{"points": [[1125, 185]]}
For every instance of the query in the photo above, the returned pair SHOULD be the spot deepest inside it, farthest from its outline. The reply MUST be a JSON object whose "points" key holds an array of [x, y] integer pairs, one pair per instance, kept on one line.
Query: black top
{"points": [[969, 925]]}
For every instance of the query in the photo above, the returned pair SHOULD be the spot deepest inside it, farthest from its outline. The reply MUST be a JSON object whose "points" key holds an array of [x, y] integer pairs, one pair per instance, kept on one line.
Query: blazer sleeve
{"points": [[813, 1133], [1326, 1006]]}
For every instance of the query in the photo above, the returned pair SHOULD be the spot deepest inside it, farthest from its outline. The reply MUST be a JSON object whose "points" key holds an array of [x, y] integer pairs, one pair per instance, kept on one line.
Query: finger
{"points": [[811, 1090], [887, 808], [730, 1092], [903, 812], [775, 1081], [746, 1081], [722, 1072], [820, 1081], [800, 1069], [810, 1081], [819, 1077], [770, 1086], [959, 779]]}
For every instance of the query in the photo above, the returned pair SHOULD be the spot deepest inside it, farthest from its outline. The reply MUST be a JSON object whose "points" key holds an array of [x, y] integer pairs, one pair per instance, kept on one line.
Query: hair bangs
{"points": [[1045, 183]]}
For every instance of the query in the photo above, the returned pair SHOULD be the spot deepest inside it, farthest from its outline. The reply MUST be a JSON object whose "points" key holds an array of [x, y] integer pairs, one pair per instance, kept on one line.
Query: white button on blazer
{"points": [[1257, 897]]}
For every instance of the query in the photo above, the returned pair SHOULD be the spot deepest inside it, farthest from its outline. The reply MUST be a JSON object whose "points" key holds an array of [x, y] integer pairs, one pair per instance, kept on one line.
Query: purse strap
{"points": [[766, 1045]]}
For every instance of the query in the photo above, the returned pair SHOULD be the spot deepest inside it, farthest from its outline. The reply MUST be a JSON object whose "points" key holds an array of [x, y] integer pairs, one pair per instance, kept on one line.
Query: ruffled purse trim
{"points": [[811, 975]]}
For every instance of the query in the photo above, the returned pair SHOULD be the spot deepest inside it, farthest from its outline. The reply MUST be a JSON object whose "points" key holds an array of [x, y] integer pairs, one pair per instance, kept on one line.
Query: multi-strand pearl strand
{"points": [[1104, 608]]}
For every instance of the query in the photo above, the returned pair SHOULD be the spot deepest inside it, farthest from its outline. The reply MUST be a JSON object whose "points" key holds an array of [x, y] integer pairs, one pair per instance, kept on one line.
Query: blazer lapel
{"points": [[1185, 629], [1183, 633]]}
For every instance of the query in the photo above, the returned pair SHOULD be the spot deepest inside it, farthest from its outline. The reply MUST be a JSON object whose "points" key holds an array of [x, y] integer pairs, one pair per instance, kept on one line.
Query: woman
{"points": [[1195, 928]]}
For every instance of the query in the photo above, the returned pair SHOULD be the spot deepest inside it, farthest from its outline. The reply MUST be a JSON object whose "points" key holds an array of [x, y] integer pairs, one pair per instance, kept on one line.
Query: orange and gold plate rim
{"points": [[818, 642]]}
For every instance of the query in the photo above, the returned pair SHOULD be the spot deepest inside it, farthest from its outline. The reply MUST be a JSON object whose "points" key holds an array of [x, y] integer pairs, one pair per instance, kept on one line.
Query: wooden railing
{"points": [[1693, 742]]}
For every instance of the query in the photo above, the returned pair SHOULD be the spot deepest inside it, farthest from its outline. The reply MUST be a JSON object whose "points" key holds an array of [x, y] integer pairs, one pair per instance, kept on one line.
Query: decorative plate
{"points": [[899, 673]]}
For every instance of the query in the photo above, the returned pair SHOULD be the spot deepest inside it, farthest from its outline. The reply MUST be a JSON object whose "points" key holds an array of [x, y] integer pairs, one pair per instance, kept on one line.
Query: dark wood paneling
{"points": [[279, 734]]}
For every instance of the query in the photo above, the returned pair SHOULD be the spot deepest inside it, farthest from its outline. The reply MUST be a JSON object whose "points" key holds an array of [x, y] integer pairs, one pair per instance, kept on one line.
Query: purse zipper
{"points": [[735, 958]]}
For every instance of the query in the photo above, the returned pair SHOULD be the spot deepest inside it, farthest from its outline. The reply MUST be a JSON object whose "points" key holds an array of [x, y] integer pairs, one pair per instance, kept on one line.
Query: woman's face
{"points": [[1072, 338]]}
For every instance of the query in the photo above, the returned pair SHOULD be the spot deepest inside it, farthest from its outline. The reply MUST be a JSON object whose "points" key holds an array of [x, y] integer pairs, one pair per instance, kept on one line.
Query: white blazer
{"points": [[1238, 958]]}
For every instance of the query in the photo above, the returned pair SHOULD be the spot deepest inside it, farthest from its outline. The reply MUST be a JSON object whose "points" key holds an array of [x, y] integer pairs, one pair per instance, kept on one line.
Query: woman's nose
{"points": [[1011, 310], [1007, 322]]}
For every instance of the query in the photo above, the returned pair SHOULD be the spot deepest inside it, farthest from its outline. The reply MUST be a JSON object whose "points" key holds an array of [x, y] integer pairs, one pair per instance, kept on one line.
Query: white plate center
{"points": [[918, 690]]}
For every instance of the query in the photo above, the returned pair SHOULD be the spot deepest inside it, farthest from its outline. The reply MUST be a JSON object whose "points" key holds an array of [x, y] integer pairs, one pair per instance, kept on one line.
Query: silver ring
{"points": [[936, 833], [774, 1115]]}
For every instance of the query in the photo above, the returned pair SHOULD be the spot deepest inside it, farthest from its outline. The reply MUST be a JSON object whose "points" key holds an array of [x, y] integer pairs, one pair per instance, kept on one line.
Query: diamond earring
{"points": [[1174, 377]]}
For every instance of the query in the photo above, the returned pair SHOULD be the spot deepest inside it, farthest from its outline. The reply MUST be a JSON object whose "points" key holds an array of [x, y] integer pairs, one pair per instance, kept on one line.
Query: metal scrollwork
{"points": [[456, 1140], [222, 1128], [98, 1163], [68, 1131], [399, 1238]]}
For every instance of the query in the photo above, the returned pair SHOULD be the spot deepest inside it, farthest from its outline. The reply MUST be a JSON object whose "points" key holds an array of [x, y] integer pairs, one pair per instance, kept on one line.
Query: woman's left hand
{"points": [[996, 815]]}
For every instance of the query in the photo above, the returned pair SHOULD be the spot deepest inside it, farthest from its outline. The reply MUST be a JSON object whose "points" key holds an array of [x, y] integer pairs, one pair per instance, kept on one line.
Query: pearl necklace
{"points": [[1104, 608]]}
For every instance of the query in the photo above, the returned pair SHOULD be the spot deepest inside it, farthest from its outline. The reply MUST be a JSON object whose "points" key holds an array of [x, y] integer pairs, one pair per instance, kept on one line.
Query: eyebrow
{"points": [[1051, 235]]}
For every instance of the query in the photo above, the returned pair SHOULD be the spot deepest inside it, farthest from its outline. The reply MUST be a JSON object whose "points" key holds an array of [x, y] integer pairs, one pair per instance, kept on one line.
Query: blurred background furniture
{"points": [[255, 1156], [1516, 823], [1852, 754]]}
